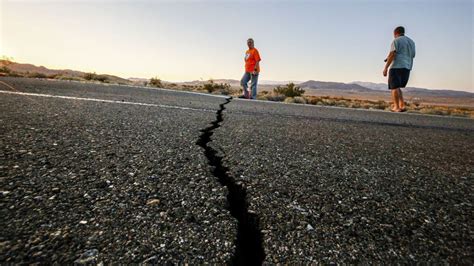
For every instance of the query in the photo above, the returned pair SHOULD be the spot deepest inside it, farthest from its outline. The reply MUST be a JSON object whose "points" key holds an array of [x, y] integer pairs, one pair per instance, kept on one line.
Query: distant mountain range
{"points": [[353, 87], [323, 85], [30, 69], [360, 86], [371, 85], [383, 87]]}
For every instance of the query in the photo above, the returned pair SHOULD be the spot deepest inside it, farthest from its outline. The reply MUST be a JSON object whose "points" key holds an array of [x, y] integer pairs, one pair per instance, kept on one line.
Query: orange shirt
{"points": [[251, 58]]}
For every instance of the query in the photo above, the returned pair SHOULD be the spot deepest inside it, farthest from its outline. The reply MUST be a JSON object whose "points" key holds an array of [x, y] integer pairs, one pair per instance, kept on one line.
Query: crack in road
{"points": [[249, 243]]}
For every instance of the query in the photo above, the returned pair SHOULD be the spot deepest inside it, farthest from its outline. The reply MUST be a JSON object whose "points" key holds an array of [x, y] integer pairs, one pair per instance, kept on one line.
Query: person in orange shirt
{"points": [[252, 69]]}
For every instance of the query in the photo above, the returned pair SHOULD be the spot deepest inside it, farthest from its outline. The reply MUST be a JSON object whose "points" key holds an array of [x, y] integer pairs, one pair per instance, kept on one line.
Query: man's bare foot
{"points": [[396, 110]]}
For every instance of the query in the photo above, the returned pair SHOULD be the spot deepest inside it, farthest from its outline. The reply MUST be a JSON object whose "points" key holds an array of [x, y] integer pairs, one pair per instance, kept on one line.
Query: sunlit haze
{"points": [[340, 41]]}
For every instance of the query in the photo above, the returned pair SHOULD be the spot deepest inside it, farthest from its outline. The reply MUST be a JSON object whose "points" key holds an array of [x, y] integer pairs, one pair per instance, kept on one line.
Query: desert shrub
{"points": [[6, 61], [37, 75], [382, 105], [342, 103], [222, 88], [329, 102], [299, 99], [289, 100], [289, 90], [226, 91], [275, 97], [355, 105], [15, 74], [312, 101], [462, 112], [185, 87], [5, 69], [89, 76], [102, 78], [155, 82], [416, 102], [94, 76], [262, 95]]}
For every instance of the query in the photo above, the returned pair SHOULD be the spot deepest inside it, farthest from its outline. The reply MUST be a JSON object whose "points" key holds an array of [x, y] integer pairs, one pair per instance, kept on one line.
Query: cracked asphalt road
{"points": [[339, 185], [126, 182], [86, 181]]}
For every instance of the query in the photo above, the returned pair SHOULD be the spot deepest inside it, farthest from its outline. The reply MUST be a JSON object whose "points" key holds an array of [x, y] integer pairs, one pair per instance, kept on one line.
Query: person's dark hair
{"points": [[399, 30]]}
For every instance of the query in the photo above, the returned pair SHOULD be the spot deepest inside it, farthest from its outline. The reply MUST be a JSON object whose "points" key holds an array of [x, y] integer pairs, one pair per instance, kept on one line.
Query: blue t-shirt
{"points": [[404, 48]]}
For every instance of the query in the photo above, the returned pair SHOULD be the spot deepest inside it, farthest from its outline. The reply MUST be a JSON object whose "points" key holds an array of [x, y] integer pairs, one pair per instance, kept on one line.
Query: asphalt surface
{"points": [[141, 175]]}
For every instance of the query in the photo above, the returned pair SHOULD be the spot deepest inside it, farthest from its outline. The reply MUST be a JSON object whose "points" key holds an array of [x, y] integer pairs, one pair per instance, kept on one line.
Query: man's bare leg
{"points": [[395, 99], [401, 102]]}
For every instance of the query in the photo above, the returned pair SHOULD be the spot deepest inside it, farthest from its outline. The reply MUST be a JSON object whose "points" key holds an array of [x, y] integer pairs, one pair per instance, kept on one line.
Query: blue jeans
{"points": [[253, 85]]}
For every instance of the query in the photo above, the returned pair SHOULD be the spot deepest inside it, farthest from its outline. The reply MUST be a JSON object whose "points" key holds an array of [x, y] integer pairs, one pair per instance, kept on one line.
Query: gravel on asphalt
{"points": [[327, 190], [98, 182]]}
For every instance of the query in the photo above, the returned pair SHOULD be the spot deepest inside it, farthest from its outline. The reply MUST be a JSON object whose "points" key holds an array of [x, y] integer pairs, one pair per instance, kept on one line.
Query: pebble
{"points": [[153, 202], [309, 227], [150, 259], [89, 256]]}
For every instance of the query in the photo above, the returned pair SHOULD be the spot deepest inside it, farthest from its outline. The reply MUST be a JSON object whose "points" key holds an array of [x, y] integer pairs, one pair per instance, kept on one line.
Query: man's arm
{"points": [[389, 60], [257, 66], [258, 59]]}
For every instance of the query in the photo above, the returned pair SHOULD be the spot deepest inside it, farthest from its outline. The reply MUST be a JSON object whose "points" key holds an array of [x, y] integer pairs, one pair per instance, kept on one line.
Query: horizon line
{"points": [[11, 59]]}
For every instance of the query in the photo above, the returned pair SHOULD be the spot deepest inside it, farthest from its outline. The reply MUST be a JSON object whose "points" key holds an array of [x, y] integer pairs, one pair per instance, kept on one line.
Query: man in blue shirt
{"points": [[400, 61]]}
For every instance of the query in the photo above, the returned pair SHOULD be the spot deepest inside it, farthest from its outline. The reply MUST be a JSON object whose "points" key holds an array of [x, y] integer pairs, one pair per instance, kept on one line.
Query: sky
{"points": [[326, 40]]}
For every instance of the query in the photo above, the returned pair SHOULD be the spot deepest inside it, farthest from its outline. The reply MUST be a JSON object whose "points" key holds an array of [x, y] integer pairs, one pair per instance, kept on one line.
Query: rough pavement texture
{"points": [[99, 182], [113, 92], [103, 182], [330, 190]]}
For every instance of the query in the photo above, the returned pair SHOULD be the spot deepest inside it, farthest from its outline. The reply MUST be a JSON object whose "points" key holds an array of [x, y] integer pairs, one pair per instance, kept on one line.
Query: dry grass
{"points": [[446, 110], [271, 97], [412, 107]]}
